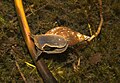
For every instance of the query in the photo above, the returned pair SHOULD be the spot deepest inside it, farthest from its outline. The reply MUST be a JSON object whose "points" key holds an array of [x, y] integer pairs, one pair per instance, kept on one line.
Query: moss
{"points": [[71, 13]]}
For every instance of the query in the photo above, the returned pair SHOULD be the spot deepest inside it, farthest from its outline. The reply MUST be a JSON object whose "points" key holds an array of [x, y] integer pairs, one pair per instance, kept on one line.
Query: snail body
{"points": [[52, 41], [70, 35]]}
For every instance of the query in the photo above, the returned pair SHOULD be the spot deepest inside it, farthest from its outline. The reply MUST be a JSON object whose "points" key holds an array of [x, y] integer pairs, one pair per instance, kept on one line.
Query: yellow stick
{"points": [[40, 65]]}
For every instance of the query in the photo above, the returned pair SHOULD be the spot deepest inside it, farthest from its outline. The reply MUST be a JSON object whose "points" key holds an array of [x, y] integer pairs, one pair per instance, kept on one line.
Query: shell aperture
{"points": [[49, 40]]}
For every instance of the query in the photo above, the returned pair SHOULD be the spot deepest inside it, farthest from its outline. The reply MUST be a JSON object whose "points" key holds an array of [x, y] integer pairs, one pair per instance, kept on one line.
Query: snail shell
{"points": [[71, 36]]}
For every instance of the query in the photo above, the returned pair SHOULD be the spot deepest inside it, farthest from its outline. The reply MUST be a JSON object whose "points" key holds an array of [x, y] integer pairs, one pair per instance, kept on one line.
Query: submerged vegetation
{"points": [[99, 61]]}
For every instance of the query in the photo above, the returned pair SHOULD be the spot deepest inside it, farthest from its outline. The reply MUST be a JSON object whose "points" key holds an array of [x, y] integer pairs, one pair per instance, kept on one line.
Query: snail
{"points": [[59, 38]]}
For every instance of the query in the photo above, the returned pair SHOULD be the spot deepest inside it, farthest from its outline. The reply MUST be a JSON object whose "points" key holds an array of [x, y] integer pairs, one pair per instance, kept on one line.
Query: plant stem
{"points": [[40, 65]]}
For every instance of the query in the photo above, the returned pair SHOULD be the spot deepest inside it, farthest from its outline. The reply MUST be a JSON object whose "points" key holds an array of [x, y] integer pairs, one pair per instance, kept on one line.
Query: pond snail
{"points": [[59, 38]]}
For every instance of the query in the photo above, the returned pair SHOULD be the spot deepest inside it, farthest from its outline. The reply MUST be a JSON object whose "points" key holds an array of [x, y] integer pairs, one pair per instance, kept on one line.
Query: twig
{"points": [[100, 24], [18, 67], [22, 75], [38, 9]]}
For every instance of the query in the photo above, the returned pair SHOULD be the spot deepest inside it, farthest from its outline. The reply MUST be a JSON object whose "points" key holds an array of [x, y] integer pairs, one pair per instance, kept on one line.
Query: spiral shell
{"points": [[71, 36]]}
